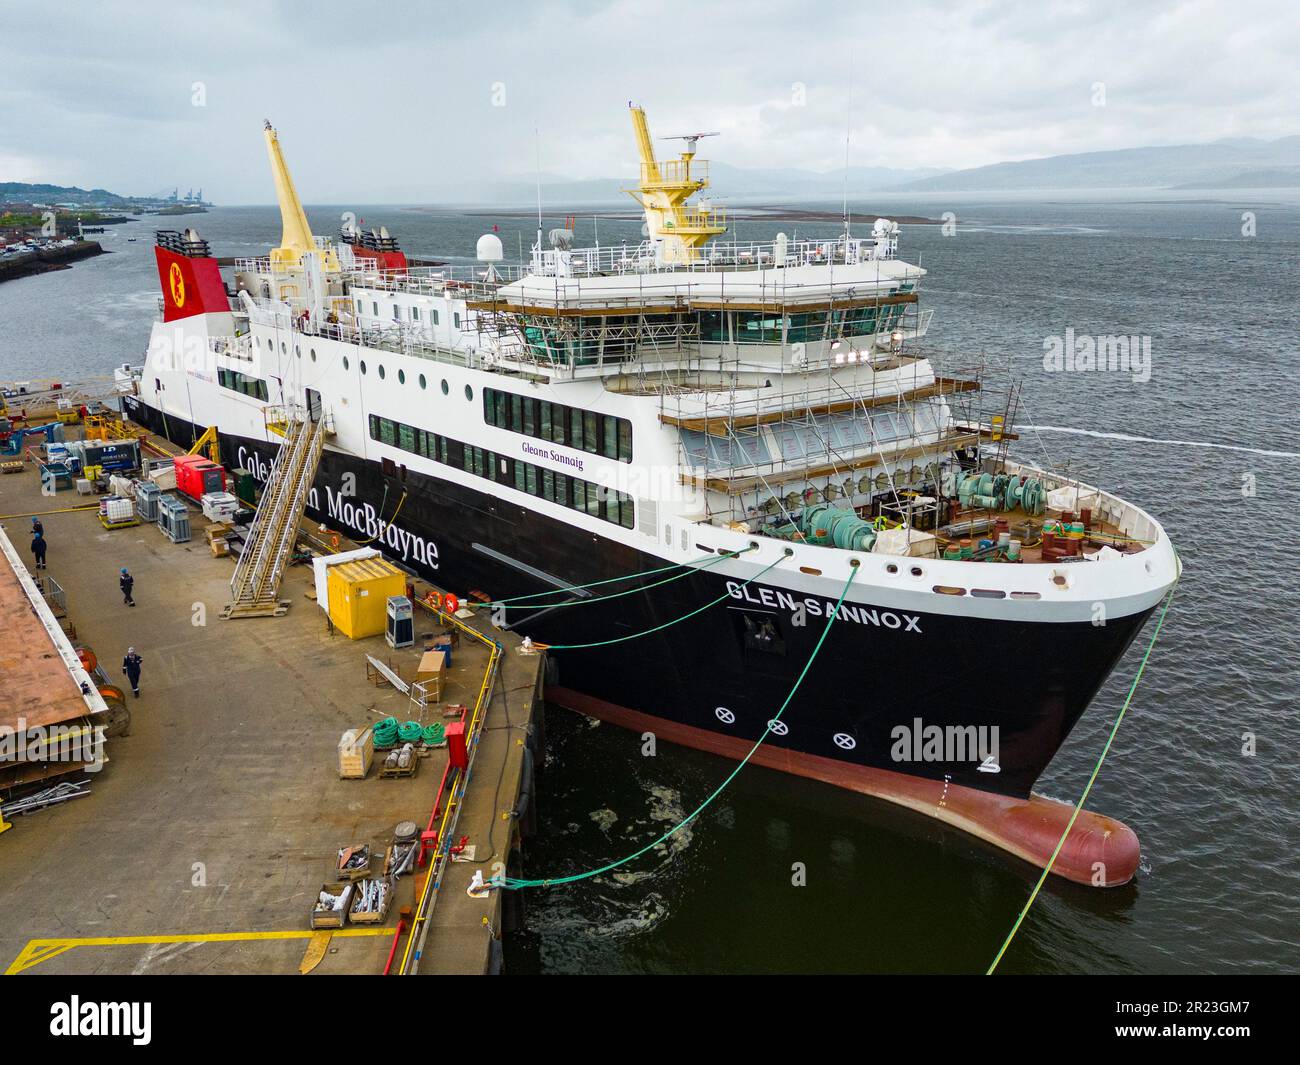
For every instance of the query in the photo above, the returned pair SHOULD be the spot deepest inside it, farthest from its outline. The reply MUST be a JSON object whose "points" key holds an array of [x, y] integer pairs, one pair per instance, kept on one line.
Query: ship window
{"points": [[469, 393], [445, 388], [580, 494], [313, 354], [397, 312], [530, 417], [415, 314], [455, 319], [345, 362], [611, 438], [381, 371], [423, 382], [590, 437], [434, 315], [375, 305], [360, 308], [401, 377], [406, 438], [363, 366], [624, 440]]}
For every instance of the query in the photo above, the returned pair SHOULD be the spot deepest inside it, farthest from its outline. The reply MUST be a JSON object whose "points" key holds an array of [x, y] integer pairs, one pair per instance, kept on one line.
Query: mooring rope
{"points": [[1078, 807], [666, 624], [689, 568], [515, 883]]}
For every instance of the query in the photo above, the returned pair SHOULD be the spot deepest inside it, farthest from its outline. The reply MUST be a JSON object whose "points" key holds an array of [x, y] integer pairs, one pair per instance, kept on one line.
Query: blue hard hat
{"points": [[123, 569]]}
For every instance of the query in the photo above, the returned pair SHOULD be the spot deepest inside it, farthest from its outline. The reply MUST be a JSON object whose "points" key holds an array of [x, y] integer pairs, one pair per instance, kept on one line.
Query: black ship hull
{"points": [[1006, 693]]}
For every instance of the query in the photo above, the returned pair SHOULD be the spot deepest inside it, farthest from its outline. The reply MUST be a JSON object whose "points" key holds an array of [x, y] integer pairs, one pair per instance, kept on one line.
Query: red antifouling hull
{"points": [[1100, 851]]}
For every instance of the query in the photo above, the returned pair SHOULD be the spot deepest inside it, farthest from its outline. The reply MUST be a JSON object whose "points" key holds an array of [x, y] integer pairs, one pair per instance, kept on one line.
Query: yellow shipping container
{"points": [[358, 595]]}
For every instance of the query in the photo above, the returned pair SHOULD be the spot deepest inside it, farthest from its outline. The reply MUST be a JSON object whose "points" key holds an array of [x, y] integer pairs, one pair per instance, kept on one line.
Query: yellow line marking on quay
{"points": [[40, 950]]}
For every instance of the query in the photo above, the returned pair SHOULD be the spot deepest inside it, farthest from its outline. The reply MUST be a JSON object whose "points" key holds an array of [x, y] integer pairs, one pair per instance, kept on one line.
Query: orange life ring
{"points": [[450, 604], [335, 541], [434, 599]]}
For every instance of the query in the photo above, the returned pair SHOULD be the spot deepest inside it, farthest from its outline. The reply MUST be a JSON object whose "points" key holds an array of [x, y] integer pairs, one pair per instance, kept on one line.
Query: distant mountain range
{"points": [[1240, 163]]}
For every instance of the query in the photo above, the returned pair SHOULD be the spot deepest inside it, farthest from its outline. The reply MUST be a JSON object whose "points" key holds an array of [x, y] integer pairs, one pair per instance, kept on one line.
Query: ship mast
{"points": [[677, 228]]}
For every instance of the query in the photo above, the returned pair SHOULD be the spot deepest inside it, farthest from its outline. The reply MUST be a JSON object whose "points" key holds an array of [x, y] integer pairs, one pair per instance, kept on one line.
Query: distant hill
{"points": [[22, 191], [727, 183], [1280, 177], [1213, 165]]}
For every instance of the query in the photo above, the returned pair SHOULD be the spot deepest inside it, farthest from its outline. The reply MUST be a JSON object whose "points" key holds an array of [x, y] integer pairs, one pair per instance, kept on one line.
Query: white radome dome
{"points": [[489, 248]]}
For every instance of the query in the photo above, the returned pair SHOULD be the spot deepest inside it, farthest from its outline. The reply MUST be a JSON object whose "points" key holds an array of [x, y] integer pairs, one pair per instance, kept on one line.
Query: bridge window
{"points": [[583, 430]]}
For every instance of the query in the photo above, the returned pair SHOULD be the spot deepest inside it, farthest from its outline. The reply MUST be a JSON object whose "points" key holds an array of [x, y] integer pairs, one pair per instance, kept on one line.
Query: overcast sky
{"points": [[383, 101]]}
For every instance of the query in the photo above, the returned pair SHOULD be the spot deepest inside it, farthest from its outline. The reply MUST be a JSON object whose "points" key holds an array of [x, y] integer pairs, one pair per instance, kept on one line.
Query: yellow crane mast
{"points": [[680, 228]]}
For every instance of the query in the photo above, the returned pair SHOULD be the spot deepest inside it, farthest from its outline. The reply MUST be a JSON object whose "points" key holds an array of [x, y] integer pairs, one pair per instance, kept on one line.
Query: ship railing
{"points": [[716, 255]]}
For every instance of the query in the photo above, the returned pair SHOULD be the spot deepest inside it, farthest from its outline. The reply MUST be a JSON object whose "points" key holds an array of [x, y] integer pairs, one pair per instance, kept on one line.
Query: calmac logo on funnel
{"points": [[176, 280]]}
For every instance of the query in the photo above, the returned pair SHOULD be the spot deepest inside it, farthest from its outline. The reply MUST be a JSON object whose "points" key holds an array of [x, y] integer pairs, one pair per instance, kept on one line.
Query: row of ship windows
{"points": [[415, 318], [571, 492], [584, 430], [242, 383]]}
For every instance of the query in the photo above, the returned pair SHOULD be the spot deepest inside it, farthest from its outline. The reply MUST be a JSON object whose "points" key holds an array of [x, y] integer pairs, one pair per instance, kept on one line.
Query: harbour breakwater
{"points": [[42, 260]]}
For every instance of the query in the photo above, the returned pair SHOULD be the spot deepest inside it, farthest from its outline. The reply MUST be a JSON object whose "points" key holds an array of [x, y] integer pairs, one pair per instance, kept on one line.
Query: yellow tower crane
{"points": [[680, 228]]}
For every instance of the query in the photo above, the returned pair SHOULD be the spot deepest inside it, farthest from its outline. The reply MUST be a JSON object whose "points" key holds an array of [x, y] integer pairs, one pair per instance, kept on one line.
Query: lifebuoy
{"points": [[450, 604], [335, 541], [434, 599]]}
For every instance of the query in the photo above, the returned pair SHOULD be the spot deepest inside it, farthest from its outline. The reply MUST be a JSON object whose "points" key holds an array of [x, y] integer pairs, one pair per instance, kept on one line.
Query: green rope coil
{"points": [[386, 732], [410, 731], [434, 734], [514, 884]]}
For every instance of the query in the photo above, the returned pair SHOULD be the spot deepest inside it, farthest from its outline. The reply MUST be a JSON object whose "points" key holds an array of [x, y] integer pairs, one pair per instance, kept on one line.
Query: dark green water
{"points": [[888, 891]]}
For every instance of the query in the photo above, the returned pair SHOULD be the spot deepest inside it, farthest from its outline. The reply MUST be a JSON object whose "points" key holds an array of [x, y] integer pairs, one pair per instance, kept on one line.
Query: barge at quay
{"points": [[758, 425]]}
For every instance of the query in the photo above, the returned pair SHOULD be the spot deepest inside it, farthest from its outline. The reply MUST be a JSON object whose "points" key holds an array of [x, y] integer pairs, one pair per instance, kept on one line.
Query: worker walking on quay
{"points": [[126, 582], [131, 667], [38, 549]]}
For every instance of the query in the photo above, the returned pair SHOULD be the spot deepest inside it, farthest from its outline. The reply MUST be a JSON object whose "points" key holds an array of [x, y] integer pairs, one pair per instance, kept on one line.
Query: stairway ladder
{"points": [[255, 587]]}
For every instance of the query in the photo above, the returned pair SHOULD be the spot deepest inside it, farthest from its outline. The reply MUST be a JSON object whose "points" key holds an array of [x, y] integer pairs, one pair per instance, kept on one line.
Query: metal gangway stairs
{"points": [[255, 587]]}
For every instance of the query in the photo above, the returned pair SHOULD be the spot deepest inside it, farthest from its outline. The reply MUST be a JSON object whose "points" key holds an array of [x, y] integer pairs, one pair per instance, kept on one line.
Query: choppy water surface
{"points": [[886, 890]]}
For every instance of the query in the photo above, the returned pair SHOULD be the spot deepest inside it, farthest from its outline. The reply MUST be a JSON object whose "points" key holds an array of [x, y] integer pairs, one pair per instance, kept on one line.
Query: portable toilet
{"points": [[358, 595]]}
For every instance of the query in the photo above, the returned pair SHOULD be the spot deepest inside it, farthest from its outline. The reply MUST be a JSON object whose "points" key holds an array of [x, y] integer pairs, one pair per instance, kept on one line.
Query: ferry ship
{"points": [[744, 424]]}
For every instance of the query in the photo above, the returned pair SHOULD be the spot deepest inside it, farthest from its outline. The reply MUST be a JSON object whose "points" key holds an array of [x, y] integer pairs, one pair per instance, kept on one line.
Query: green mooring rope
{"points": [[1088, 788], [514, 884], [385, 734], [689, 567], [666, 624]]}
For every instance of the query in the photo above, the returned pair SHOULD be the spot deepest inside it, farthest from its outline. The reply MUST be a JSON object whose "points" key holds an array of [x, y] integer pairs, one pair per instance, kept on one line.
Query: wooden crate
{"points": [[356, 752], [375, 916], [332, 918], [362, 870]]}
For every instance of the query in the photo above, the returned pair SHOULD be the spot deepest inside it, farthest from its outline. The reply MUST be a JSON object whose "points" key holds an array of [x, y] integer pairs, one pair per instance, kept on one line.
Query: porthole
{"points": [[445, 387], [469, 393], [891, 568], [917, 572], [297, 350], [345, 362], [284, 348], [401, 377], [381, 371], [423, 382], [362, 364], [313, 354]]}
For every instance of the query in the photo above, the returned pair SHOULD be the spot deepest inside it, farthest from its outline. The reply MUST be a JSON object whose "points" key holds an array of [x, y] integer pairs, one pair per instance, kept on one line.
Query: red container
{"points": [[197, 475], [457, 753]]}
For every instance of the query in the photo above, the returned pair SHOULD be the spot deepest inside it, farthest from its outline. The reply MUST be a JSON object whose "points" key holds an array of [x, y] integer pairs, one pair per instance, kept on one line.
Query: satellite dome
{"points": [[488, 248]]}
